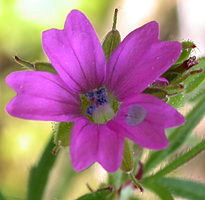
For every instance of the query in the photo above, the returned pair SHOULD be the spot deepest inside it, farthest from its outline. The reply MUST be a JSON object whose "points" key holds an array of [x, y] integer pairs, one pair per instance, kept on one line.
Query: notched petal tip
{"points": [[10, 108], [9, 79]]}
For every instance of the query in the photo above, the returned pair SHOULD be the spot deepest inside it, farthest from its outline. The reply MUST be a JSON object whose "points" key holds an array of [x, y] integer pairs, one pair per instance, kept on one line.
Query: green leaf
{"points": [[184, 188], [179, 161], [2, 196], [39, 174], [178, 136], [159, 190], [99, 195]]}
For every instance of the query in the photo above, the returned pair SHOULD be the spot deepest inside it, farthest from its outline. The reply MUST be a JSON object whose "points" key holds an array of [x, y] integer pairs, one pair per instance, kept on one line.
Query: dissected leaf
{"points": [[178, 136], [184, 188], [159, 190], [179, 161]]}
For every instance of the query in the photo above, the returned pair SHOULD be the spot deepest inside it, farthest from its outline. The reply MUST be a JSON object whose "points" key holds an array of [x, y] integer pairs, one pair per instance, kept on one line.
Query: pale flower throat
{"points": [[98, 105]]}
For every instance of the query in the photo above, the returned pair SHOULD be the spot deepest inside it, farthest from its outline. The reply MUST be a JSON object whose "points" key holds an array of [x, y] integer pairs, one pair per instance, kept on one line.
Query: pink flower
{"points": [[102, 98]]}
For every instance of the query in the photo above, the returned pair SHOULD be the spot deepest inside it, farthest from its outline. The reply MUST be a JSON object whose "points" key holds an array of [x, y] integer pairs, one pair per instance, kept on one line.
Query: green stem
{"points": [[134, 180], [39, 174], [115, 20]]}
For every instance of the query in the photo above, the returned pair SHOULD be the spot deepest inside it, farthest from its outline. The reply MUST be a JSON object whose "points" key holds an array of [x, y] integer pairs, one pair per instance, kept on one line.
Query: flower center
{"points": [[98, 105]]}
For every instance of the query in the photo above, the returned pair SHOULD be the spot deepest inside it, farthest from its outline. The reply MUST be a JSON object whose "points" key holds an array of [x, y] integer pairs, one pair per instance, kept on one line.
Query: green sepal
{"points": [[25, 64], [37, 66], [157, 92], [187, 47], [193, 83], [43, 66], [111, 41], [62, 133], [127, 162]]}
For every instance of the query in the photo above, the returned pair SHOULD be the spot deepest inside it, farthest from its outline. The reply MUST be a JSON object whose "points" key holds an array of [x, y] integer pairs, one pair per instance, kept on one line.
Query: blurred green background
{"points": [[21, 24]]}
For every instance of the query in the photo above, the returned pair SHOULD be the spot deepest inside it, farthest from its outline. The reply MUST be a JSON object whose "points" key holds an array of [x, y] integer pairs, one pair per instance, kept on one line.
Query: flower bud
{"points": [[127, 162], [112, 39]]}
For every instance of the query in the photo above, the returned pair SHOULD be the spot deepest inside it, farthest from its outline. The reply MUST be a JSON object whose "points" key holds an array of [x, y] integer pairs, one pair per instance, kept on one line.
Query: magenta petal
{"points": [[95, 143], [76, 53], [84, 144], [158, 112], [150, 133], [41, 96], [110, 149], [139, 60]]}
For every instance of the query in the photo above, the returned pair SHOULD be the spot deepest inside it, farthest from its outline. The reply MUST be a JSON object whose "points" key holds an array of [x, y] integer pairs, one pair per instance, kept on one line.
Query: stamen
{"points": [[89, 94], [96, 98], [97, 106], [135, 115], [90, 110]]}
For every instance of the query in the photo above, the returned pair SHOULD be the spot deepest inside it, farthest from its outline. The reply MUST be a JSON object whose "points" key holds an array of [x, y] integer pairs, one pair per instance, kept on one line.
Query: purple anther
{"points": [[90, 110], [89, 94]]}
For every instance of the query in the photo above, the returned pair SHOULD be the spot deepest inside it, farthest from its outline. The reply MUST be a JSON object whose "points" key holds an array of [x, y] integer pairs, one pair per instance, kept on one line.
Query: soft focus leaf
{"points": [[2, 197], [39, 174], [179, 161], [159, 190], [126, 193], [99, 195], [178, 136], [63, 185], [176, 101], [114, 179], [184, 188]]}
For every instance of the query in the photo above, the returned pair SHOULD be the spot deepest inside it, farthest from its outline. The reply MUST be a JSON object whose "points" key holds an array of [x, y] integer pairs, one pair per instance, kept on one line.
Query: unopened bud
{"points": [[127, 162], [112, 39]]}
